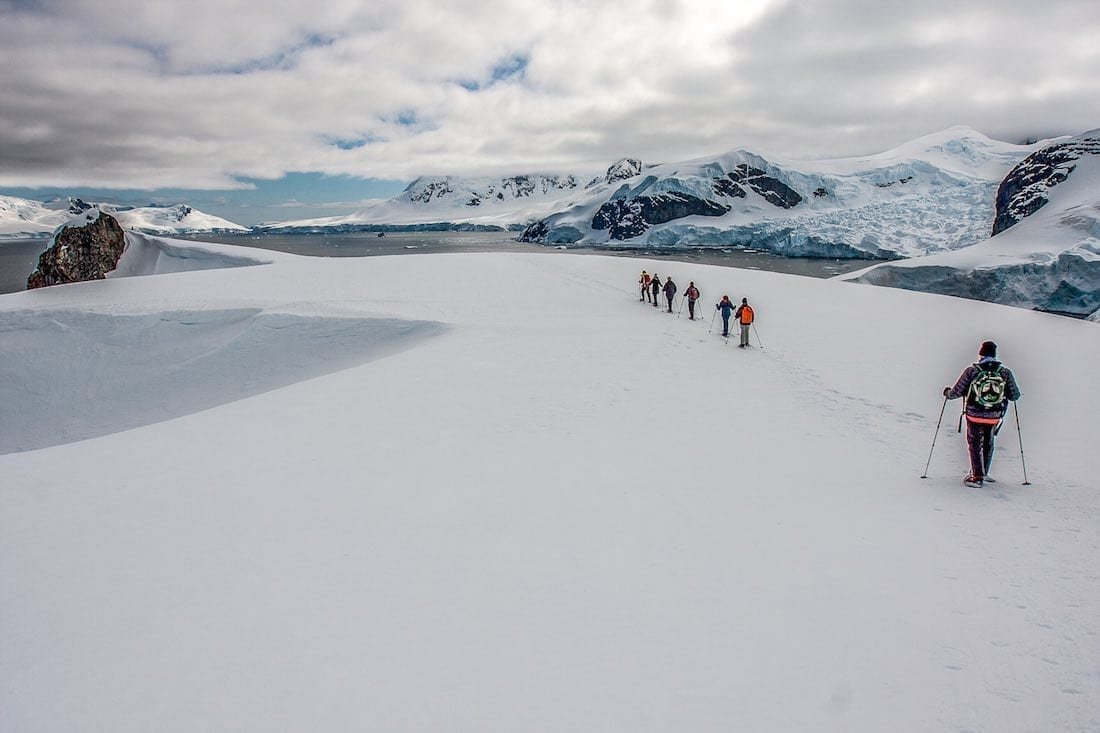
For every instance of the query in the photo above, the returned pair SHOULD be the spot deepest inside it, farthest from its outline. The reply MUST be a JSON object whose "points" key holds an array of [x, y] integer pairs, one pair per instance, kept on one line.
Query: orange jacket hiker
{"points": [[744, 313]]}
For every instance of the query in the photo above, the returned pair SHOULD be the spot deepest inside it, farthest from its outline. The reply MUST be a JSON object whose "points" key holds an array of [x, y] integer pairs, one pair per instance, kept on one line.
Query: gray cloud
{"points": [[196, 94]]}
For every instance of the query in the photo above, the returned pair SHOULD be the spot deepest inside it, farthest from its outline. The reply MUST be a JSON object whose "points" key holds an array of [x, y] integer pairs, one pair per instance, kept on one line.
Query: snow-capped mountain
{"points": [[1045, 252], [23, 218], [501, 203], [933, 194], [178, 219]]}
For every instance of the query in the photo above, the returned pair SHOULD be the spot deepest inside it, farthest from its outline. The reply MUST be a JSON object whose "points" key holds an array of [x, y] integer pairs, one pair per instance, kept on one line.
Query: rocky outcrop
{"points": [[628, 218], [622, 170], [725, 186], [1024, 189], [78, 253], [773, 190], [430, 190], [79, 206], [474, 192]]}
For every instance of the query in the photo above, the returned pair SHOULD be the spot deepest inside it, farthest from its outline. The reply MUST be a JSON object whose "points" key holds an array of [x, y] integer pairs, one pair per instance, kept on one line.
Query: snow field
{"points": [[562, 510]]}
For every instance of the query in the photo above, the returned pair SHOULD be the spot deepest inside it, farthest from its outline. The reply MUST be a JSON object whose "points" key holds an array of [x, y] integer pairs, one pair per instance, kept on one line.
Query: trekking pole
{"points": [[934, 436], [1021, 437], [757, 335], [711, 329], [681, 309]]}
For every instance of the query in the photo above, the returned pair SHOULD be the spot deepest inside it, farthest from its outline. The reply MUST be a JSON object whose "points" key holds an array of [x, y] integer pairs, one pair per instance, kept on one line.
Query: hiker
{"points": [[670, 292], [988, 386], [692, 295], [655, 286], [744, 316], [727, 310], [644, 282]]}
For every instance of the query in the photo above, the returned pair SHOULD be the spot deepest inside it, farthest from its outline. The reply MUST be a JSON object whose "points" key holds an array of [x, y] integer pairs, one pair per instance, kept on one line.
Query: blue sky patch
{"points": [[511, 68], [352, 143]]}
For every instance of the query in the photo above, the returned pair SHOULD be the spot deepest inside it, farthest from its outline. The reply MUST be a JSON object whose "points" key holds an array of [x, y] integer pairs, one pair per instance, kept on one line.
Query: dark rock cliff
{"points": [[628, 218], [1024, 189]]}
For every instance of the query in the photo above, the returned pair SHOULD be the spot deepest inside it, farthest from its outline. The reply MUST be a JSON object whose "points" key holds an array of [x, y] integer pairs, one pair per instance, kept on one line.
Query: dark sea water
{"points": [[19, 257]]}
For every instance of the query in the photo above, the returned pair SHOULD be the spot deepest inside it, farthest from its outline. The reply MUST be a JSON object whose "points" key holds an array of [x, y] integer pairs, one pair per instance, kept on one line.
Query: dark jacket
{"points": [[726, 306], [962, 389], [670, 288], [692, 293]]}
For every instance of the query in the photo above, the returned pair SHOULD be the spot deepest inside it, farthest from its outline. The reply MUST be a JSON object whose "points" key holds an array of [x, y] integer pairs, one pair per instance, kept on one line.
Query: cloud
{"points": [[206, 94]]}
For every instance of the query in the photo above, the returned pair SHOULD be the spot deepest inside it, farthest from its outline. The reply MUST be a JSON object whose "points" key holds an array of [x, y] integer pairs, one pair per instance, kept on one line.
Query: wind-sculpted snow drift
{"points": [[148, 255], [68, 375], [93, 246], [71, 375]]}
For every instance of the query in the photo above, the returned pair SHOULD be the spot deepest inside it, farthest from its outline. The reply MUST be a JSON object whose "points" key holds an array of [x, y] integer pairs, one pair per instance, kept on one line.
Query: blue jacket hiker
{"points": [[726, 306], [988, 387]]}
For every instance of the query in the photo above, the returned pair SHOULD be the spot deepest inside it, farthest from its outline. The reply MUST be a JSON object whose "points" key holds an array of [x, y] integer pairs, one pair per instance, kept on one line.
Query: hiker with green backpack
{"points": [[988, 386]]}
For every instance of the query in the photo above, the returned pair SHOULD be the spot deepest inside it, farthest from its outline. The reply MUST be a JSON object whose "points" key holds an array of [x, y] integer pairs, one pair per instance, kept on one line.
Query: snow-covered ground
{"points": [[494, 492]]}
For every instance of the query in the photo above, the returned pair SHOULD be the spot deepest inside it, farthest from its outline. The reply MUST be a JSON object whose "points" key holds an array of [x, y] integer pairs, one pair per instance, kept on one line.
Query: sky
{"points": [[272, 110]]}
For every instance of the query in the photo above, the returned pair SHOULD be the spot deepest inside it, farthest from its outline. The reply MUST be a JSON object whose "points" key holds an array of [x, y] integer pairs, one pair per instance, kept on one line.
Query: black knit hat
{"points": [[988, 349]]}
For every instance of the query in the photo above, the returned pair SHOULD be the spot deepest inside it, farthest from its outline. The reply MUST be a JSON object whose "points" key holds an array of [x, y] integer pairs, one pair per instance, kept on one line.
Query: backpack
{"points": [[987, 391]]}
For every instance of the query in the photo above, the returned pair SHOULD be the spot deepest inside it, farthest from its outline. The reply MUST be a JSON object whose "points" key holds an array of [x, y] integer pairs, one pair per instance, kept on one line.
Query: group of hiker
{"points": [[652, 288], [987, 384]]}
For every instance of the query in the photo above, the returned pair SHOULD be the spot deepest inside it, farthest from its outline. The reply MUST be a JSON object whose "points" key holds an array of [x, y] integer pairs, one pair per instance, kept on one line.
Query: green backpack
{"points": [[987, 391]]}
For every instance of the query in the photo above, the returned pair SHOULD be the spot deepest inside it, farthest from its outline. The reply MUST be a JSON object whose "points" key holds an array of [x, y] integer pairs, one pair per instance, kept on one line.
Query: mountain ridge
{"points": [[931, 194], [26, 218]]}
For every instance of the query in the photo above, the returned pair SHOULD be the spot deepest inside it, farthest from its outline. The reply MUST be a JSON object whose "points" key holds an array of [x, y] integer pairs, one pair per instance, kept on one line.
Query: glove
{"points": [[946, 391]]}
